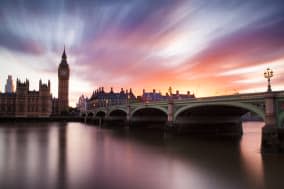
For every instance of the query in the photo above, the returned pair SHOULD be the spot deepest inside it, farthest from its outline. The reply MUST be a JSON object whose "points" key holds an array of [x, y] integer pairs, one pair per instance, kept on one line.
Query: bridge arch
{"points": [[245, 106], [120, 111], [90, 114], [149, 117], [164, 110], [281, 120], [100, 113]]}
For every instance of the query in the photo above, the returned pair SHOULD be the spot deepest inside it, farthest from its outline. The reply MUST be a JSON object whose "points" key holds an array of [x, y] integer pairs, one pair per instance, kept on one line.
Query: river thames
{"points": [[75, 155]]}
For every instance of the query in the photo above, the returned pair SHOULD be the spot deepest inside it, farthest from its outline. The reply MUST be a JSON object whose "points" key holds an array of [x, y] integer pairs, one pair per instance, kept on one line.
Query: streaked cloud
{"points": [[209, 47]]}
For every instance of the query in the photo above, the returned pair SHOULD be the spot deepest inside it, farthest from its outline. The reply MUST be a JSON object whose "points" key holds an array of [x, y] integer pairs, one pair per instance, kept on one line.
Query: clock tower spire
{"points": [[63, 84], [64, 57]]}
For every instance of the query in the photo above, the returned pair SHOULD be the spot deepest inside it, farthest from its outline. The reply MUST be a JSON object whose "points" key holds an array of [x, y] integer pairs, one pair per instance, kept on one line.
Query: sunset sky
{"points": [[209, 47]]}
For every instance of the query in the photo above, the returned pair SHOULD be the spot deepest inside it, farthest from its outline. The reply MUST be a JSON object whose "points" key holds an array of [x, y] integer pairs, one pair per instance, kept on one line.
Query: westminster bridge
{"points": [[207, 115]]}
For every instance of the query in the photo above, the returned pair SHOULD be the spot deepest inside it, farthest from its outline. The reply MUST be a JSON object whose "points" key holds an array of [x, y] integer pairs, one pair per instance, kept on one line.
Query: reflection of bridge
{"points": [[204, 114]]}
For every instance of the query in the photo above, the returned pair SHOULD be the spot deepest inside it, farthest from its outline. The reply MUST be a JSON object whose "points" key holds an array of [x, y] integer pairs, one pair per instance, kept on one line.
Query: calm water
{"points": [[74, 155]]}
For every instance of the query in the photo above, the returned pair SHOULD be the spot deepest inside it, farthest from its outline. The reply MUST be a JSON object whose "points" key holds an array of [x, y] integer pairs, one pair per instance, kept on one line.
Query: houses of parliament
{"points": [[25, 103]]}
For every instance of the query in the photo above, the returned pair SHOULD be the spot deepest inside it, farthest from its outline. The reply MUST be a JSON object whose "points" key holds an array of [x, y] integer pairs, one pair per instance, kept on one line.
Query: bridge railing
{"points": [[234, 97]]}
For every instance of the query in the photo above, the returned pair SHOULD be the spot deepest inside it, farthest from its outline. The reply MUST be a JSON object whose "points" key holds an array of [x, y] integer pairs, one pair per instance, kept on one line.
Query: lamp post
{"points": [[268, 74], [170, 94], [106, 103], [85, 105], [85, 110], [170, 91], [128, 111], [170, 108]]}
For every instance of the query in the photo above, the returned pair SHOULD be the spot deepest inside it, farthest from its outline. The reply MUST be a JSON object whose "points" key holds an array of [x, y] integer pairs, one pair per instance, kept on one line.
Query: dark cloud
{"points": [[12, 42], [231, 4], [154, 13], [99, 16]]}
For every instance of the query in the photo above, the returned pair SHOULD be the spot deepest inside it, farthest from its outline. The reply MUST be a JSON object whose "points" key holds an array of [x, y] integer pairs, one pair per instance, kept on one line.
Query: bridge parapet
{"points": [[237, 97], [269, 106]]}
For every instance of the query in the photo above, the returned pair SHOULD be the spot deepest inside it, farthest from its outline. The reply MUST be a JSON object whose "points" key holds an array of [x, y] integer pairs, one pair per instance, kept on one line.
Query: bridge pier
{"points": [[128, 121], [170, 114], [170, 126], [272, 137], [216, 125], [269, 140]]}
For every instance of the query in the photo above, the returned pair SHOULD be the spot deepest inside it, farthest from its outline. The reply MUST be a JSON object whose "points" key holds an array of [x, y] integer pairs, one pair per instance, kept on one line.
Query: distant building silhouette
{"points": [[151, 96], [157, 96], [101, 98], [9, 87], [82, 103]]}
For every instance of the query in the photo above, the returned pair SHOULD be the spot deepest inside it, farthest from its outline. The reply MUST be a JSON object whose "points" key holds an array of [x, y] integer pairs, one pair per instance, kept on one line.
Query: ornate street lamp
{"points": [[268, 74]]}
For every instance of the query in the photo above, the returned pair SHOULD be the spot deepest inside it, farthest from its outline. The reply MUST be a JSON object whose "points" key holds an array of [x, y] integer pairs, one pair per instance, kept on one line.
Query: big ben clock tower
{"points": [[63, 84]]}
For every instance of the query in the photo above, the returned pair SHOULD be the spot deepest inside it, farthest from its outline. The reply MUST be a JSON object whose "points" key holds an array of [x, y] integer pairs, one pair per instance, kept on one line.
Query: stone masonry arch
{"points": [[246, 106]]}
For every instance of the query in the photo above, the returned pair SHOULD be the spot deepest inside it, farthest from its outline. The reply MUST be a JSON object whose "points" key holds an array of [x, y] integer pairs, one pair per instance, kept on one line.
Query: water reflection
{"points": [[62, 175], [73, 155], [28, 155], [273, 166], [251, 155]]}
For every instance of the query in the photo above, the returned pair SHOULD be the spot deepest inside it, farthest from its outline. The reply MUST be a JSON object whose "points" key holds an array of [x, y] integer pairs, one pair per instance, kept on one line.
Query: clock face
{"points": [[63, 72]]}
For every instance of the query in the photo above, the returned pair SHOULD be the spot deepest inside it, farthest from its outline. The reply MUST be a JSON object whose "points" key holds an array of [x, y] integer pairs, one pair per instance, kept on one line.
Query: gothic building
{"points": [[157, 96], [82, 103], [101, 98], [26, 103]]}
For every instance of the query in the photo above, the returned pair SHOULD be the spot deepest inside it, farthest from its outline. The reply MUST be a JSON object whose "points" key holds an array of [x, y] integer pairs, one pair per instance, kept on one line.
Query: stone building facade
{"points": [[63, 84], [26, 103], [101, 98], [82, 103], [157, 96]]}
